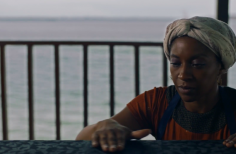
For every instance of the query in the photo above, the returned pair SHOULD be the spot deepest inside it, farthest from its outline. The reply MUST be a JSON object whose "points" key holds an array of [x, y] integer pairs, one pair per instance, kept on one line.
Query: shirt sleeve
{"points": [[140, 108], [149, 107]]}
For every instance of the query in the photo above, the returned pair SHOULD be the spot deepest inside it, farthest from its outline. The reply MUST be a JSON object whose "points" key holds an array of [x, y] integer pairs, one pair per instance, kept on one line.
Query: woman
{"points": [[200, 50]]}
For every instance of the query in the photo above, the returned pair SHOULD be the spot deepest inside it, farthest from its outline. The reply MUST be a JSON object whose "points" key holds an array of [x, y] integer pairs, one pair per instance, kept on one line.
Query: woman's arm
{"points": [[123, 118], [85, 134]]}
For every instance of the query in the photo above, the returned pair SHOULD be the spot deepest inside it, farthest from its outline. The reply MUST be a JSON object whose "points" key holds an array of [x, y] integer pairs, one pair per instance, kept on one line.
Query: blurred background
{"points": [[85, 20]]}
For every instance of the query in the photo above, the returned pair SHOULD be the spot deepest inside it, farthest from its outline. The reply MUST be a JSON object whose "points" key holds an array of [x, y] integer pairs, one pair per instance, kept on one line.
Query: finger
{"points": [[95, 140], [234, 141], [229, 138], [230, 144], [121, 138], [111, 139], [103, 141], [230, 141], [140, 133]]}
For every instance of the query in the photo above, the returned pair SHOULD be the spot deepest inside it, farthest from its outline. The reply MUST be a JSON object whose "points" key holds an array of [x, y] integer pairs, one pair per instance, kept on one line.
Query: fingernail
{"points": [[120, 146], [105, 146], [113, 146], [94, 143]]}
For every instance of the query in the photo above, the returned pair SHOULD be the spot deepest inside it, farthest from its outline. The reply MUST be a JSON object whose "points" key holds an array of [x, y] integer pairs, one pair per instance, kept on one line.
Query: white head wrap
{"points": [[214, 34]]}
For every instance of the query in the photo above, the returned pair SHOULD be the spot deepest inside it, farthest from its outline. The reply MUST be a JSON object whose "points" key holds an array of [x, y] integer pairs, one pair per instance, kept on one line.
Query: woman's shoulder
{"points": [[170, 90], [161, 93], [231, 92]]}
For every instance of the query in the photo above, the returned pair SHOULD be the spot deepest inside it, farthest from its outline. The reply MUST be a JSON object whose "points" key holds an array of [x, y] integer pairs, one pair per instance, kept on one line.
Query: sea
{"points": [[71, 70]]}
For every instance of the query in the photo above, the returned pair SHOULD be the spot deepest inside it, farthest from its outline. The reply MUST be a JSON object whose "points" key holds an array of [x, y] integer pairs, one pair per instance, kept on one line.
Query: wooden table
{"points": [[132, 147]]}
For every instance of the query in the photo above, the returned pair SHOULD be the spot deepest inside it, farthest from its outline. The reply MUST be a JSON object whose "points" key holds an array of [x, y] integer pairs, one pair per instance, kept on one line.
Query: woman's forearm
{"points": [[86, 133]]}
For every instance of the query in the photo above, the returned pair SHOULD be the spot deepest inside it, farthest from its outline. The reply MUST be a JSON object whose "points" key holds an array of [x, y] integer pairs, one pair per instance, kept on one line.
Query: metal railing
{"points": [[56, 45]]}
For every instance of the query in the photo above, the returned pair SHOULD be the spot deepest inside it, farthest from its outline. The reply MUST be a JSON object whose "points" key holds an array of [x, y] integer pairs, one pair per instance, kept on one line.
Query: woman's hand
{"points": [[231, 141], [111, 136]]}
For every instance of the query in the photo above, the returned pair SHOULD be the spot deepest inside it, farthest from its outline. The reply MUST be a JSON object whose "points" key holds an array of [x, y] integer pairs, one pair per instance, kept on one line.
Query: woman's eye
{"points": [[198, 65], [175, 64]]}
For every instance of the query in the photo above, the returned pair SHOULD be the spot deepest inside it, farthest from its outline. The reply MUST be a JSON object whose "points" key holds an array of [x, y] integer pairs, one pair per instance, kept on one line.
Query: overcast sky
{"points": [[110, 8]]}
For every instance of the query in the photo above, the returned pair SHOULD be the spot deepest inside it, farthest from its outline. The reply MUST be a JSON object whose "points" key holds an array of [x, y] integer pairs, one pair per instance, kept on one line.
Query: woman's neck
{"points": [[204, 103]]}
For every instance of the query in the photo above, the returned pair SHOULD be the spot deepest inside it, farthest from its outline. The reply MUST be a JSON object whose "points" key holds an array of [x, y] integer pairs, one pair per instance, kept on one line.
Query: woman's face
{"points": [[194, 69]]}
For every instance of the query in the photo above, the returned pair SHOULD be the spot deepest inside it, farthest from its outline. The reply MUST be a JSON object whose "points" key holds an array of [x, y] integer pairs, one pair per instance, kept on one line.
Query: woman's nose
{"points": [[185, 72]]}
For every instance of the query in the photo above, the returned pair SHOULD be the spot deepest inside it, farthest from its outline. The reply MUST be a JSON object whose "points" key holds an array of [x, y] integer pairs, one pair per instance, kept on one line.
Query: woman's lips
{"points": [[186, 90]]}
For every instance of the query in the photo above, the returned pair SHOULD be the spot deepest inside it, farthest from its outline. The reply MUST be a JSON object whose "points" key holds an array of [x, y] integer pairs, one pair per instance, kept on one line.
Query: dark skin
{"points": [[194, 66], [194, 70]]}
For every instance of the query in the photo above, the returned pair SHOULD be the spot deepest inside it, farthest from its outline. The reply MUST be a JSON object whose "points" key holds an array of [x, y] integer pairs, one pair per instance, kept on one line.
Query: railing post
{"points": [[223, 15], [57, 92], [3, 96], [164, 69], [85, 85], [112, 99], [57, 78], [30, 92], [136, 65]]}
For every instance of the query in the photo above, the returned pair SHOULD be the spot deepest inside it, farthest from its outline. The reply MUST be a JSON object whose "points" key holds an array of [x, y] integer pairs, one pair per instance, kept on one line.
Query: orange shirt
{"points": [[149, 107]]}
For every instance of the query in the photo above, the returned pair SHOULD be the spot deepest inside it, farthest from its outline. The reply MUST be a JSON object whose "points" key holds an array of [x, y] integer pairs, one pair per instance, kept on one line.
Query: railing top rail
{"points": [[138, 43]]}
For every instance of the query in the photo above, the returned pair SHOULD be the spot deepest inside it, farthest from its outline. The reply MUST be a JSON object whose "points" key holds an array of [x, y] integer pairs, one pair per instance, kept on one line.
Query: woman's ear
{"points": [[220, 73], [222, 70]]}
